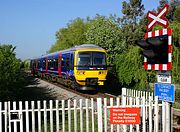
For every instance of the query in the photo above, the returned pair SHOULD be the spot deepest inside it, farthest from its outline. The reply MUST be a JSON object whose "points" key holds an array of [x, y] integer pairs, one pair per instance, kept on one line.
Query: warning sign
{"points": [[125, 115]]}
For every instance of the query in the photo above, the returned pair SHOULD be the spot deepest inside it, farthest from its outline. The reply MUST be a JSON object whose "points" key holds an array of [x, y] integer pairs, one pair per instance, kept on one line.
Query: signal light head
{"points": [[155, 49]]}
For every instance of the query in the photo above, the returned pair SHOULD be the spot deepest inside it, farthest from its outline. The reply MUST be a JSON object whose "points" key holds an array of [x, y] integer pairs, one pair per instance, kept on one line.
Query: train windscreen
{"points": [[91, 59]]}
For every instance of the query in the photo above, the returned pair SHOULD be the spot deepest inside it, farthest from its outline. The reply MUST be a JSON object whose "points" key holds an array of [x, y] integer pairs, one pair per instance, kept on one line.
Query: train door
{"points": [[65, 64], [60, 64]]}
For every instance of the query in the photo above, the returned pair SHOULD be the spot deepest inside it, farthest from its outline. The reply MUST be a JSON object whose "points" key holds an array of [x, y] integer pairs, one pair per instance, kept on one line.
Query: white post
{"points": [[69, 115], [21, 116], [0, 117], [163, 116], [137, 104], [118, 104], [27, 116], [144, 113], [167, 110], [45, 115], [92, 111], [105, 114], [124, 104], [33, 116], [168, 117], [81, 115], [99, 112], [63, 116], [150, 113], [57, 116], [87, 116], [156, 117], [75, 116], [111, 104], [39, 115], [9, 115], [51, 115]]}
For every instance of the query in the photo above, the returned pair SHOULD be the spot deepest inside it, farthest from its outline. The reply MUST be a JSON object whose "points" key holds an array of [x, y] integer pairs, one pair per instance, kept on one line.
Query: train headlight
{"points": [[81, 72], [102, 72]]}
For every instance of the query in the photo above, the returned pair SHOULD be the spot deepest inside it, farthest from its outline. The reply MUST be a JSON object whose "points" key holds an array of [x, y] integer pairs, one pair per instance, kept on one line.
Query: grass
{"points": [[72, 123]]}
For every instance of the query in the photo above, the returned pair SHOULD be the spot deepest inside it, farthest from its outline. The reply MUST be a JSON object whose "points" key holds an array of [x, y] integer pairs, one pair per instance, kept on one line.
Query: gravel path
{"points": [[56, 92]]}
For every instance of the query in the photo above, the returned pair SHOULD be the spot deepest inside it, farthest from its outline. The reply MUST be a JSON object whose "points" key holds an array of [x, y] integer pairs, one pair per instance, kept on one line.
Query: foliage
{"points": [[129, 66], [118, 36], [25, 64], [176, 52], [133, 12], [130, 69], [177, 14], [103, 32], [10, 76], [173, 4], [73, 34]]}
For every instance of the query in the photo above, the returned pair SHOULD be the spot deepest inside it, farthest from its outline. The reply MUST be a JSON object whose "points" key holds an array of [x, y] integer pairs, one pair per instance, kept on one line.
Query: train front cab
{"points": [[90, 68]]}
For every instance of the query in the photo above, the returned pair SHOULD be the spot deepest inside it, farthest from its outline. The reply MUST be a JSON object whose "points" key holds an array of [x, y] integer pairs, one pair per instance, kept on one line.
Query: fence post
{"points": [[150, 114], [124, 104], [21, 116], [156, 117], [168, 117], [144, 113], [163, 116], [1, 117], [99, 111]]}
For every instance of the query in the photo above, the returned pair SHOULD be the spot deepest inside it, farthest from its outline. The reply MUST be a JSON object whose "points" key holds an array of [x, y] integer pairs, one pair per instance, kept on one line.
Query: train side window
{"points": [[56, 63], [67, 61], [49, 64], [44, 64], [52, 64], [62, 62], [71, 62]]}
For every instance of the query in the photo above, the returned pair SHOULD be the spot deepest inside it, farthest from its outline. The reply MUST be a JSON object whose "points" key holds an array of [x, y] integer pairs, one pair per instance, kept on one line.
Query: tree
{"points": [[73, 34], [173, 4], [132, 11], [176, 14], [130, 70], [107, 34], [176, 52], [129, 66], [10, 76]]}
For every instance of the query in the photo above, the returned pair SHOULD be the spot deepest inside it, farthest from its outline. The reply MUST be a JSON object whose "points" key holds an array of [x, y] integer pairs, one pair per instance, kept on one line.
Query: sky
{"points": [[30, 25]]}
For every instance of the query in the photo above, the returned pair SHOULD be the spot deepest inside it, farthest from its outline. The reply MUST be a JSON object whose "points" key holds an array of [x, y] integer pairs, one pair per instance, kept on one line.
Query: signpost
{"points": [[163, 89], [164, 77], [158, 18], [165, 92]]}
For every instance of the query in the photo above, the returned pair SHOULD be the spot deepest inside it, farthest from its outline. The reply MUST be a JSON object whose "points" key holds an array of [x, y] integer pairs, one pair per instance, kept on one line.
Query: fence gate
{"points": [[15, 117], [83, 115]]}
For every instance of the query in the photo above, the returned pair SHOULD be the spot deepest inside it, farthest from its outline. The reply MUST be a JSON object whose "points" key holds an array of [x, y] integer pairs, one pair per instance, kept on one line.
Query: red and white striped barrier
{"points": [[167, 66]]}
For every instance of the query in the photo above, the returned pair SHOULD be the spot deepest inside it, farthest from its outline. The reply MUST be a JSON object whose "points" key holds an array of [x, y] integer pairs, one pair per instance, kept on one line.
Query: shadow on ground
{"points": [[32, 91]]}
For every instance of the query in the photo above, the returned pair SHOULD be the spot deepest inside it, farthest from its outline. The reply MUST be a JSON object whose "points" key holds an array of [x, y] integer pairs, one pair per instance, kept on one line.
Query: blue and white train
{"points": [[82, 67]]}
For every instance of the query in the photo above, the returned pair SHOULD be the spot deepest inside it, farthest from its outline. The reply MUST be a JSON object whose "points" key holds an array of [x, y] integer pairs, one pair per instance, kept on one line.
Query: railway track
{"points": [[87, 94]]}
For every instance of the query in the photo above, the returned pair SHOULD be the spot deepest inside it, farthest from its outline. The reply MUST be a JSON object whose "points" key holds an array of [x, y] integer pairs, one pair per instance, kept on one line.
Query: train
{"points": [[83, 67]]}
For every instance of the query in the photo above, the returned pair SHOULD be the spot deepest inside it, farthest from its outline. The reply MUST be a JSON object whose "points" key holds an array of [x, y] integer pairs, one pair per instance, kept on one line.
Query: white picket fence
{"points": [[160, 113], [82, 115]]}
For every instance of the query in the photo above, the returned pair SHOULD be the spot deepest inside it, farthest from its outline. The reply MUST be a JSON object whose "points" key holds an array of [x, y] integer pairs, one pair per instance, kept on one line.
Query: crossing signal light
{"points": [[155, 49]]}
